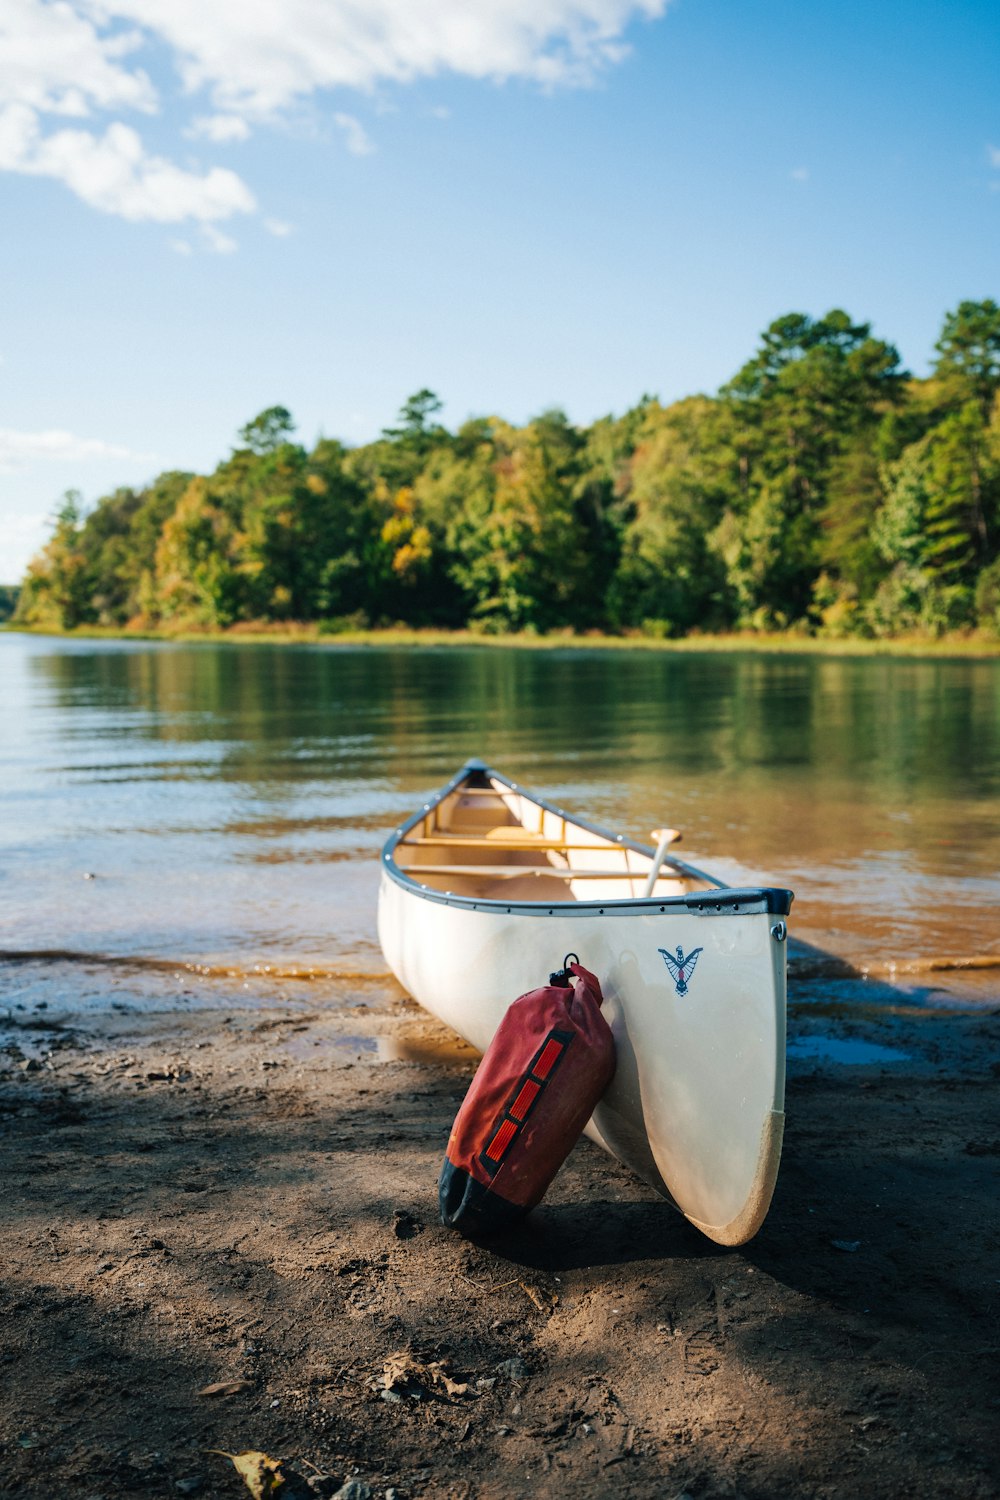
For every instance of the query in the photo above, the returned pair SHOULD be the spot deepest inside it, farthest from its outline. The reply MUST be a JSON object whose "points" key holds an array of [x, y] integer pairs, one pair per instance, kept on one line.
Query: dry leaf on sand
{"points": [[537, 1298], [261, 1475], [226, 1388], [402, 1372]]}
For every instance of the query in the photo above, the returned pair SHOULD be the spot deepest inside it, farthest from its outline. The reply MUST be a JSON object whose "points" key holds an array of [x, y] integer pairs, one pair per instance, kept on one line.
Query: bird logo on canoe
{"points": [[681, 968]]}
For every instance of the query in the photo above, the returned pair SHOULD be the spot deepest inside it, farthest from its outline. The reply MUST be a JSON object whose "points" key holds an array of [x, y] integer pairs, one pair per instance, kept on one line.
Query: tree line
{"points": [[822, 490]]}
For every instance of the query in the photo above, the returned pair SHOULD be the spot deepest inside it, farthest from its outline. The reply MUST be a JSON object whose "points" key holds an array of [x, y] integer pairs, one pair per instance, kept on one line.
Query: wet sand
{"points": [[247, 1193]]}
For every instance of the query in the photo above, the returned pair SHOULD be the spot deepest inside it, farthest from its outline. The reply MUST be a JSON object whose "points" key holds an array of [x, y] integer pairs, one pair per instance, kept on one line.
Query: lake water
{"points": [[167, 806]]}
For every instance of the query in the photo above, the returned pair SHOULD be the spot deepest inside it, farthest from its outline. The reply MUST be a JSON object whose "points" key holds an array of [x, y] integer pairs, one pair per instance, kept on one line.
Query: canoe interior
{"points": [[489, 841]]}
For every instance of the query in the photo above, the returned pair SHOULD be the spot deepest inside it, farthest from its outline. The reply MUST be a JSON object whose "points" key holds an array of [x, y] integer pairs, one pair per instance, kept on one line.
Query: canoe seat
{"points": [[483, 791], [415, 871]]}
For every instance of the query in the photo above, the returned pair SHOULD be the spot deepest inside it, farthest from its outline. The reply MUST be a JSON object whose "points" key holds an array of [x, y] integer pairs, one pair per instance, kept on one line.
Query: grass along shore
{"points": [[966, 644]]}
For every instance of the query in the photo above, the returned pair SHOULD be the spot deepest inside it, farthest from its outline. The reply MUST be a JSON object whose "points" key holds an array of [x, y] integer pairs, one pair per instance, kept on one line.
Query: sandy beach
{"points": [[246, 1196]]}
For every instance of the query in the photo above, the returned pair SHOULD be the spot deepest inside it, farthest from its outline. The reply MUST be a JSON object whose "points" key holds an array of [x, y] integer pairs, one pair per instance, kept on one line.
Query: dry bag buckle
{"points": [[562, 976]]}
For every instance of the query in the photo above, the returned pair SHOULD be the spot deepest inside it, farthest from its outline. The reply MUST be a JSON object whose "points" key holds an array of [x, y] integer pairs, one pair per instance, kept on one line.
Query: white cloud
{"points": [[799, 174], [55, 58], [359, 143], [994, 155], [181, 247], [222, 244], [258, 59], [67, 59], [278, 228], [221, 129], [20, 448], [113, 173], [440, 112]]}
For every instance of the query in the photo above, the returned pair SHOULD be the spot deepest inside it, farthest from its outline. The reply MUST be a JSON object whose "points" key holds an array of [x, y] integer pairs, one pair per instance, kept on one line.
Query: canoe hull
{"points": [[696, 1105]]}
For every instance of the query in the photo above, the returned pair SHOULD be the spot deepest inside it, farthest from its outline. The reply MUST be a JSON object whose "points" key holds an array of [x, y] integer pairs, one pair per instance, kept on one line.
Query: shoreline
{"points": [[247, 1195], [964, 647]]}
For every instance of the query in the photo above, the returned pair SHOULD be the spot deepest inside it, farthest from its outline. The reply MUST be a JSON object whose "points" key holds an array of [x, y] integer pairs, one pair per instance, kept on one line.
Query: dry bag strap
{"points": [[523, 1100]]}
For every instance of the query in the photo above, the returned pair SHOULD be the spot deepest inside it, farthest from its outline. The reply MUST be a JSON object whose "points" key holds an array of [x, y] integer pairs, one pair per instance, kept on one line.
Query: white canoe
{"points": [[487, 888]]}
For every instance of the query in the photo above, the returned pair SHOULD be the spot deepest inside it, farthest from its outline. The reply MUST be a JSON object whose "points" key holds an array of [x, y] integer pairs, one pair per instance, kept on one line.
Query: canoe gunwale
{"points": [[721, 901]]}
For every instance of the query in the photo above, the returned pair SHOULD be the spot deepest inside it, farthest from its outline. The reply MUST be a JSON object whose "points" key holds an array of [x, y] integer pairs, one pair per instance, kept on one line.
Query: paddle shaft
{"points": [[664, 837]]}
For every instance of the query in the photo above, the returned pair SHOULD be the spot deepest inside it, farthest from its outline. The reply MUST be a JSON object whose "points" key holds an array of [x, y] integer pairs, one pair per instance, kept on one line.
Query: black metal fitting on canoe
{"points": [[562, 976]]}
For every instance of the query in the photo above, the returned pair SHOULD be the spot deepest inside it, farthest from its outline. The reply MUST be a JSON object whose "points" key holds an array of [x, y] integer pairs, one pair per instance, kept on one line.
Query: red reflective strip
{"points": [[550, 1053], [525, 1100], [501, 1140]]}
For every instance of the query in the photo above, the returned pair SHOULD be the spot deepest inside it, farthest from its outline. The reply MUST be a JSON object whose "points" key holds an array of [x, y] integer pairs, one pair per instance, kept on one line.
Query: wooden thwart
{"points": [[524, 844]]}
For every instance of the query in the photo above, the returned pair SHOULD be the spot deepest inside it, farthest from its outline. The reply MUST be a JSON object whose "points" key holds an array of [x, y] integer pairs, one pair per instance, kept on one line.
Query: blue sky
{"points": [[207, 208]]}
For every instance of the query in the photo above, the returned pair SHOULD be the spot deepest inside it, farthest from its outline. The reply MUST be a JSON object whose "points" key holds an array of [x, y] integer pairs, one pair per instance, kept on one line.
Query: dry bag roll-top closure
{"points": [[535, 1089]]}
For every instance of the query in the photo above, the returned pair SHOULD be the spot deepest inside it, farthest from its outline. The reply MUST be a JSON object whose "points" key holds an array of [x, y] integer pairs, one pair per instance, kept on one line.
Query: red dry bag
{"points": [[546, 1068]]}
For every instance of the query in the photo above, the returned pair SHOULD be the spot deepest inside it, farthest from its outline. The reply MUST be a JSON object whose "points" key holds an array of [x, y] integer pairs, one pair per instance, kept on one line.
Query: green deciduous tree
{"points": [[197, 573], [517, 543], [56, 591], [671, 577]]}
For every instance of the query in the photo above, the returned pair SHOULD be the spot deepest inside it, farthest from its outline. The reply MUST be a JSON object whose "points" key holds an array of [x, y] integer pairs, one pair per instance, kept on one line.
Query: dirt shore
{"points": [[248, 1196]]}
